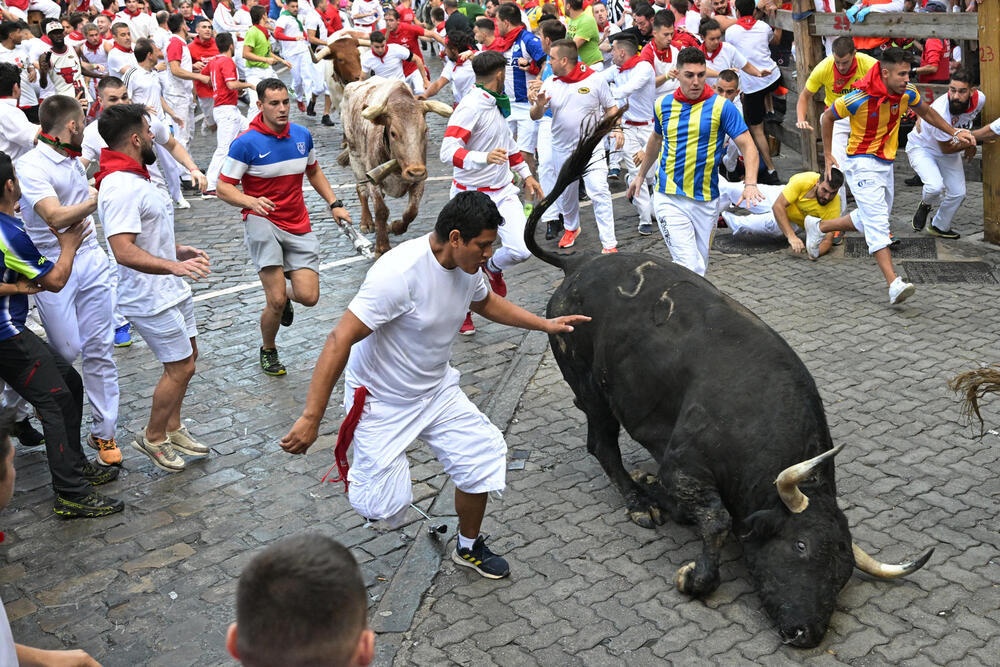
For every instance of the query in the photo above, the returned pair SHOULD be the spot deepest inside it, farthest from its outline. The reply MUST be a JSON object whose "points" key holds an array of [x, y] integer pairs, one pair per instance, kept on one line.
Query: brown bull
{"points": [[383, 121], [341, 65]]}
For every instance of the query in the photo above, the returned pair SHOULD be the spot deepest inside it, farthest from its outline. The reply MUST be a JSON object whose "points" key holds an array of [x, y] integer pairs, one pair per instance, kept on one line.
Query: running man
{"points": [[883, 96], [399, 385], [687, 155], [225, 91], [268, 160]]}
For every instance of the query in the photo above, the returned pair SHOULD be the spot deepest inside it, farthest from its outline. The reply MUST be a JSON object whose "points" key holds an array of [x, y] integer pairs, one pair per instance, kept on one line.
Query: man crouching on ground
{"points": [[399, 385]]}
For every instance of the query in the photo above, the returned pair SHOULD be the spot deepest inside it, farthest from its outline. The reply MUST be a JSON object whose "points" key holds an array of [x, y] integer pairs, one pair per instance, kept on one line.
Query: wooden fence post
{"points": [[808, 53], [989, 75]]}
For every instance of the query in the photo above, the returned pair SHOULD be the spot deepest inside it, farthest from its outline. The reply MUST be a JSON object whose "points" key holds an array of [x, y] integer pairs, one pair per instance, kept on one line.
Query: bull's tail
{"points": [[974, 385], [572, 169]]}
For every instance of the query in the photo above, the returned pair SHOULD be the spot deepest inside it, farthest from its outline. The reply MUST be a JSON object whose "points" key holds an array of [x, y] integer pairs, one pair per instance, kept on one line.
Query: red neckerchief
{"points": [[706, 92], [55, 144], [45, 38], [973, 101], [76, 35], [664, 56], [577, 74], [263, 30], [258, 124], [840, 80], [746, 22], [711, 56], [872, 84], [122, 48], [630, 63], [502, 43], [128, 13], [107, 12], [112, 161], [92, 50], [462, 60], [206, 42]]}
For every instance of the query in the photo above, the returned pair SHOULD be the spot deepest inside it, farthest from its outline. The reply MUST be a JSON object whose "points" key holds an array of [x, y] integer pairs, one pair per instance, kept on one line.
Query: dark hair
{"points": [[300, 601], [376, 37], [116, 123], [962, 76], [690, 55], [6, 174], [730, 76], [707, 26], [391, 12], [680, 6], [510, 13], [575, 5], [10, 76], [7, 28], [198, 20], [257, 12], [437, 14], [161, 17], [109, 82], [142, 48], [76, 18], [488, 63], [469, 212], [174, 23], [87, 27], [270, 83], [745, 7], [552, 30], [645, 10], [485, 23], [663, 20], [115, 27], [450, 4], [461, 41], [567, 44], [894, 56], [55, 111], [223, 41], [843, 46], [836, 179]]}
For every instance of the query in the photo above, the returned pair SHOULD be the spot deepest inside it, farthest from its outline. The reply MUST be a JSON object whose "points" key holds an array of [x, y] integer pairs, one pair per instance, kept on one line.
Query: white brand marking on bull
{"points": [[639, 271]]}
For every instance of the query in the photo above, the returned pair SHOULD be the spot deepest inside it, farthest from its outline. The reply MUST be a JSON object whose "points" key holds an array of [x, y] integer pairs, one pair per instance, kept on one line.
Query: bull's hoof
{"points": [[643, 478], [344, 158], [651, 517], [398, 227], [682, 578], [366, 227], [379, 251]]}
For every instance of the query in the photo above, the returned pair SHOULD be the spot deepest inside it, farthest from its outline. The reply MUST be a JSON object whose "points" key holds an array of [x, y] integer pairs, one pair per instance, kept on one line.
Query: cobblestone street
{"points": [[155, 585]]}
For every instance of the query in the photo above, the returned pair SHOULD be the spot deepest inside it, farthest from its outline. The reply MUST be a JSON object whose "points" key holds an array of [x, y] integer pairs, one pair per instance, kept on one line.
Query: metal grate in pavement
{"points": [[921, 247], [747, 244], [949, 272]]}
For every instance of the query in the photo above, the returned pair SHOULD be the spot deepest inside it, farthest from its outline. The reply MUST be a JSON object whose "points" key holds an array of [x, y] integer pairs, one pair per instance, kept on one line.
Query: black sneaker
{"points": [[326, 120], [553, 228], [943, 233], [26, 433], [913, 181], [482, 560], [97, 475], [920, 217], [311, 107], [769, 178], [88, 506], [269, 362], [288, 314]]}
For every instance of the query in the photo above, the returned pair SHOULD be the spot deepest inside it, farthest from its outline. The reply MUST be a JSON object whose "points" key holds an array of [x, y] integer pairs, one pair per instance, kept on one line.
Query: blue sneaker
{"points": [[123, 335]]}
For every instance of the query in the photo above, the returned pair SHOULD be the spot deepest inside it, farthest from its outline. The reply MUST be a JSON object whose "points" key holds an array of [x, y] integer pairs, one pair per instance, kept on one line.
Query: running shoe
{"points": [[270, 363], [467, 328], [86, 506], [838, 237], [301, 105], [182, 204], [645, 228], [25, 433], [943, 233], [770, 178], [311, 107], [288, 314], [609, 251], [108, 453], [481, 559], [913, 181], [569, 238], [528, 208], [183, 442], [497, 283], [893, 241], [123, 335], [920, 217], [209, 194], [325, 120], [900, 291], [162, 455], [614, 173], [98, 475], [813, 236]]}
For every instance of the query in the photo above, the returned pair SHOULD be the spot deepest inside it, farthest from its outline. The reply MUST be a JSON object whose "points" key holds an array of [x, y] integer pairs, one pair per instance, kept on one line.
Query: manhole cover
{"points": [[747, 244], [949, 272], [909, 248]]}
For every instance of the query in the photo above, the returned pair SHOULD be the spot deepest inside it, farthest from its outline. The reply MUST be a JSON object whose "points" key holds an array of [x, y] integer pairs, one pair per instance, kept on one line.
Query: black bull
{"points": [[729, 413]]}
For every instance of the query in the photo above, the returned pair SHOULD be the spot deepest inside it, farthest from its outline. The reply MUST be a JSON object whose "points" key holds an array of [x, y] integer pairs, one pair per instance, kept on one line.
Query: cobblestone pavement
{"points": [[155, 585]]}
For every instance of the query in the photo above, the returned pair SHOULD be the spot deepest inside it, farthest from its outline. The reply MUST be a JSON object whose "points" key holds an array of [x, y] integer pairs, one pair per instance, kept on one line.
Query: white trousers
{"points": [[761, 219], [513, 250], [207, 106], [255, 75], [171, 171], [636, 137], [944, 182], [183, 105], [687, 226], [415, 82], [548, 170], [871, 184], [230, 124], [306, 81], [595, 180], [838, 146], [471, 449], [78, 320]]}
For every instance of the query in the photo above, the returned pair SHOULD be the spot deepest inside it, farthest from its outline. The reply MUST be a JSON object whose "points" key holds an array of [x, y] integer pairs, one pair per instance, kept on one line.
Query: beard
{"points": [[148, 155], [956, 107]]}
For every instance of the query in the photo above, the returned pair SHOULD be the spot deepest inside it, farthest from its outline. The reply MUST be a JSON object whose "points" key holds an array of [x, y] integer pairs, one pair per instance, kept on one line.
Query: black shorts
{"points": [[753, 103]]}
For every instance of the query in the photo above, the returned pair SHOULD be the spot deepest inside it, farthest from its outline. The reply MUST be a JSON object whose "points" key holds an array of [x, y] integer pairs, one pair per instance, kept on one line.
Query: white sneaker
{"points": [[162, 455], [182, 203], [813, 236], [183, 442], [900, 291]]}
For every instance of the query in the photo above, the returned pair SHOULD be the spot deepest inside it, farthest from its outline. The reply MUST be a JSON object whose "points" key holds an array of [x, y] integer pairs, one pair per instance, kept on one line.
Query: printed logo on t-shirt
{"points": [[301, 146], [583, 91]]}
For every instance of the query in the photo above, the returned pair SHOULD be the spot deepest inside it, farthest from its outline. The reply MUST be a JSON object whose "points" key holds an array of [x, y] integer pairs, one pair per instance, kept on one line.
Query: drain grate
{"points": [[747, 244], [920, 247], [949, 272]]}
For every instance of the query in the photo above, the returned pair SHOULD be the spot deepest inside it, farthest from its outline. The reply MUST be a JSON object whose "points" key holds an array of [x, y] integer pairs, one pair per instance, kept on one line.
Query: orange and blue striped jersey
{"points": [[693, 139], [874, 127]]}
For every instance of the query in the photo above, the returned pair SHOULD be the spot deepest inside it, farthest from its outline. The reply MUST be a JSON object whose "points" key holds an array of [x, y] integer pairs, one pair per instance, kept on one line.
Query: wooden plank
{"points": [[808, 53], [919, 26], [930, 91], [989, 74]]}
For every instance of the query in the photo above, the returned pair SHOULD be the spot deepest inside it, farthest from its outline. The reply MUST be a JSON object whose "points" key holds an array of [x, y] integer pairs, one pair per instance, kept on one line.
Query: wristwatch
{"points": [[336, 203]]}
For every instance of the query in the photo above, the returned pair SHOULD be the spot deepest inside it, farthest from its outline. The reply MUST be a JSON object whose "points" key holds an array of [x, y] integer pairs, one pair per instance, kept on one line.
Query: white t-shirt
{"points": [[290, 25], [728, 57], [995, 127], [414, 307], [129, 204], [461, 76], [66, 73], [366, 7], [93, 144], [753, 44], [8, 652], [177, 50], [119, 60], [17, 133], [18, 57], [927, 136], [637, 86], [144, 88], [33, 50], [576, 108], [311, 20], [389, 66]]}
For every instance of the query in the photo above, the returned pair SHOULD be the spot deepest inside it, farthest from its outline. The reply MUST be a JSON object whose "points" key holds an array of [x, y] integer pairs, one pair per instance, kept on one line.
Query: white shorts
{"points": [[871, 184], [169, 332], [471, 449], [521, 125]]}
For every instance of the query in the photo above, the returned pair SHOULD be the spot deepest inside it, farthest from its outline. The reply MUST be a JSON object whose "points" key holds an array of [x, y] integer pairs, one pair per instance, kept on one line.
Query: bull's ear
{"points": [[762, 524], [439, 108]]}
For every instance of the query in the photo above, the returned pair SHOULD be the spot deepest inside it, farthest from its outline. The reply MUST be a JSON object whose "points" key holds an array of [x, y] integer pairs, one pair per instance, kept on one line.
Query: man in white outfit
{"points": [[385, 60], [225, 89], [395, 341], [367, 15], [140, 23], [291, 34], [580, 99], [178, 90], [78, 319], [120, 56]]}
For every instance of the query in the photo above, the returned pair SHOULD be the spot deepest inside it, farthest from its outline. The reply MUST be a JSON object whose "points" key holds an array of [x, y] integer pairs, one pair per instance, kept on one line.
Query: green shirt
{"points": [[259, 46], [471, 10], [585, 26]]}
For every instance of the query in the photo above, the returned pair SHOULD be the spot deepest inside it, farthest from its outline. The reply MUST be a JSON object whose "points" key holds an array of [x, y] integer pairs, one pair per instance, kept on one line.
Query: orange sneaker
{"points": [[467, 328], [108, 453], [609, 251], [569, 238]]}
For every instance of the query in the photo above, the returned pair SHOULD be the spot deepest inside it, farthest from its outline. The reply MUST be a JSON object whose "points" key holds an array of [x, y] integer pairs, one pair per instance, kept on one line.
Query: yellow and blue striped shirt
{"points": [[693, 137]]}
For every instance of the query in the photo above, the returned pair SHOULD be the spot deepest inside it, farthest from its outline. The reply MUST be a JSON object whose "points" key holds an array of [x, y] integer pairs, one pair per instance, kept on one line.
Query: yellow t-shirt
{"points": [[799, 207], [825, 75]]}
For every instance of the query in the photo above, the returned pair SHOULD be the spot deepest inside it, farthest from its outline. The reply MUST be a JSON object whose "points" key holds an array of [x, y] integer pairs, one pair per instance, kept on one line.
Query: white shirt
{"points": [[365, 7], [995, 127], [927, 136], [661, 68], [33, 49], [175, 85], [8, 652], [576, 108], [475, 128], [637, 86], [144, 88], [17, 133], [43, 172], [311, 20], [119, 60], [223, 20], [389, 66], [728, 57], [160, 37], [753, 44], [461, 76], [129, 204], [18, 57], [93, 144], [242, 18], [98, 57], [290, 25], [66, 73], [140, 26], [414, 307]]}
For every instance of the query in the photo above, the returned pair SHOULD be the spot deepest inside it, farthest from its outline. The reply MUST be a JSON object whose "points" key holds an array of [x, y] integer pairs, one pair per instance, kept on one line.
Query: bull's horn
{"points": [[869, 565], [379, 173], [323, 53], [788, 480], [439, 108], [374, 111]]}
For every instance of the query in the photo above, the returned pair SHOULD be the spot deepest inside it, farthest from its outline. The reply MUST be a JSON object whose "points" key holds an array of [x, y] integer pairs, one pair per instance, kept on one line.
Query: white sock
{"points": [[465, 542]]}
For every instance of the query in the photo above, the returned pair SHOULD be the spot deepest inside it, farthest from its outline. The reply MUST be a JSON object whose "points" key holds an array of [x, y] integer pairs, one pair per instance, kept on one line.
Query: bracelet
{"points": [[336, 203]]}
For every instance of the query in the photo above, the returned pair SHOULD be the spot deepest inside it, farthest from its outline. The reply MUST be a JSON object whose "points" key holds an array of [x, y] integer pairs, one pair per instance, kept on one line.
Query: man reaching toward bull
{"points": [[399, 385]]}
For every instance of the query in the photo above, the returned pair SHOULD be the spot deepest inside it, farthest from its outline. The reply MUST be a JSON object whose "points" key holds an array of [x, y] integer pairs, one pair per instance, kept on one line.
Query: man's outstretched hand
{"points": [[565, 323]]}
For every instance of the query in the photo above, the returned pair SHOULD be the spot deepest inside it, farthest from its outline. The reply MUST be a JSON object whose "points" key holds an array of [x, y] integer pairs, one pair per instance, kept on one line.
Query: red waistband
{"points": [[464, 187], [638, 123], [345, 436]]}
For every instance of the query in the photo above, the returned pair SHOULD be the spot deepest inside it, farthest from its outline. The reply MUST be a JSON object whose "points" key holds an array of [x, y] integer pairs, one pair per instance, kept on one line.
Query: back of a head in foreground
{"points": [[301, 602]]}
